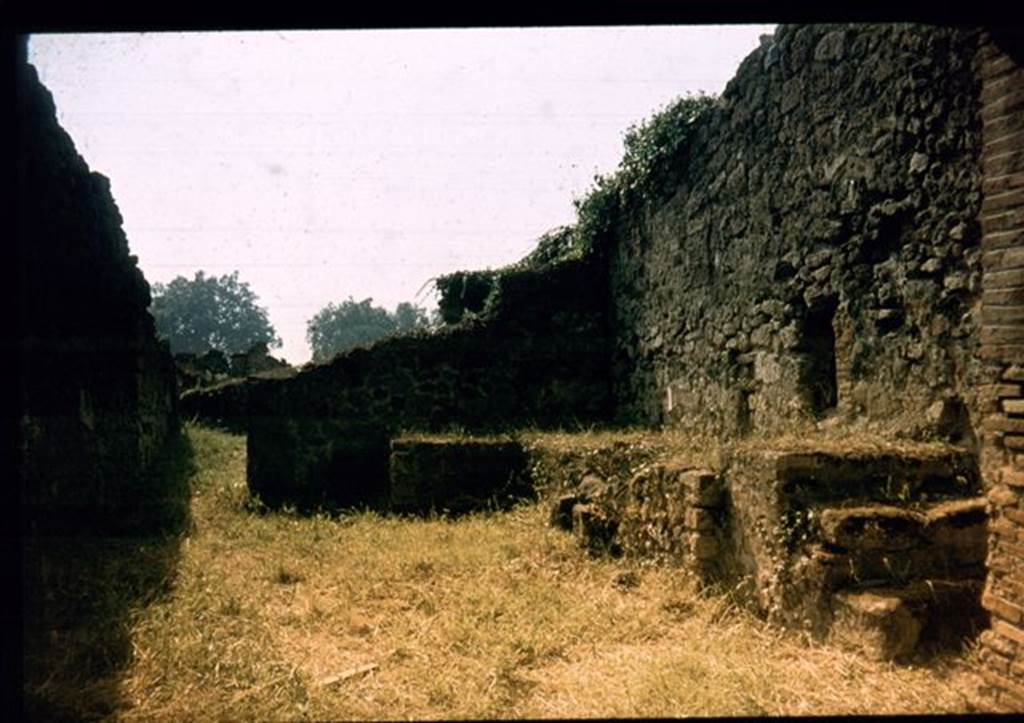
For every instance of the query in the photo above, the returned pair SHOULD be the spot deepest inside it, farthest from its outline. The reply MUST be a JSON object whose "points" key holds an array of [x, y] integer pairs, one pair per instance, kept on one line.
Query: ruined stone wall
{"points": [[97, 390], [821, 254], [1002, 347], [538, 358]]}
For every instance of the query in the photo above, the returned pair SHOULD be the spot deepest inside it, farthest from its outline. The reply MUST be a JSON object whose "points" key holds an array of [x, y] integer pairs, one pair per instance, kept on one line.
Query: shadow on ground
{"points": [[79, 592]]}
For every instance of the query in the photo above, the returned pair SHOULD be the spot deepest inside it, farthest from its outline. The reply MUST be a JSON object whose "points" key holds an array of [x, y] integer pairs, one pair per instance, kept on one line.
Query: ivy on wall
{"points": [[654, 157]]}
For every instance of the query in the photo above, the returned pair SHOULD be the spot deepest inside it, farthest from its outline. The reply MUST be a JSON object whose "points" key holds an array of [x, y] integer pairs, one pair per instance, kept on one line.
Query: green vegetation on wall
{"points": [[654, 154]]}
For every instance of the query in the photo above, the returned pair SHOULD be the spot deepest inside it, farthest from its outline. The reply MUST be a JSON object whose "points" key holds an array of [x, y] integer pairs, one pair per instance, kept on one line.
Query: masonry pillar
{"points": [[1002, 349]]}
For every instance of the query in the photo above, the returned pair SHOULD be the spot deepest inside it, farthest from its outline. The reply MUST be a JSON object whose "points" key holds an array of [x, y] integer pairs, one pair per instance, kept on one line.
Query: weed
{"points": [[285, 576]]}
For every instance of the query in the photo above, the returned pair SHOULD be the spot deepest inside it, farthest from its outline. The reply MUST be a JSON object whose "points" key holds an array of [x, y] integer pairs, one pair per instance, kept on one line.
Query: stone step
{"points": [[817, 478], [883, 544], [958, 524], [892, 623], [809, 518], [594, 529]]}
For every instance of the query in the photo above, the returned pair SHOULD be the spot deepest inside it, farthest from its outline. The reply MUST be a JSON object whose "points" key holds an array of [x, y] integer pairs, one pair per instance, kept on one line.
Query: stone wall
{"points": [[842, 250], [1002, 347], [97, 390], [537, 358], [878, 546], [820, 257]]}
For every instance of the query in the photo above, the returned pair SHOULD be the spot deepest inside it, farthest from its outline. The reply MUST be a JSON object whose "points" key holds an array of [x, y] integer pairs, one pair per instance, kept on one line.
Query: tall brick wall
{"points": [[1002, 348]]}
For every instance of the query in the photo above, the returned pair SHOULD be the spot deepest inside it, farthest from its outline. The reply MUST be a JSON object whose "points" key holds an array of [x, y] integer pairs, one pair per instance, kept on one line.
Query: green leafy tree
{"points": [[408, 317], [207, 312], [338, 327]]}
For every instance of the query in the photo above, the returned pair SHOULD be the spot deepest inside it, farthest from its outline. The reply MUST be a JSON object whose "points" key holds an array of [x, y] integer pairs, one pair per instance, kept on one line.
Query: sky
{"points": [[327, 164]]}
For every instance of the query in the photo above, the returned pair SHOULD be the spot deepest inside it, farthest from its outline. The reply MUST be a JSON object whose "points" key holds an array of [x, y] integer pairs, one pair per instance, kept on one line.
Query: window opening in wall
{"points": [[819, 344]]}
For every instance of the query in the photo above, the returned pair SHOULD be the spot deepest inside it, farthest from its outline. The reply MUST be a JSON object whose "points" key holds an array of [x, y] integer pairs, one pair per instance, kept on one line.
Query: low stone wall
{"points": [[539, 359], [668, 511], [98, 394], [880, 547], [224, 405], [456, 475]]}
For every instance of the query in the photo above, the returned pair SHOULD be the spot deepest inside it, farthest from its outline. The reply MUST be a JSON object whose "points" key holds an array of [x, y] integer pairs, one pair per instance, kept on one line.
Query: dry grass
{"points": [[276, 616]]}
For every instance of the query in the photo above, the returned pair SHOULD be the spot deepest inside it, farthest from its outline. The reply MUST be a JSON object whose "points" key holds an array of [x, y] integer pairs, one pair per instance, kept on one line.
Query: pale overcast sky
{"points": [[329, 164]]}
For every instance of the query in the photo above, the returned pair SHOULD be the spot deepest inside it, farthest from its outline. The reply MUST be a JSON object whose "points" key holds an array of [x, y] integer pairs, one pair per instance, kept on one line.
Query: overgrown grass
{"points": [[275, 616]]}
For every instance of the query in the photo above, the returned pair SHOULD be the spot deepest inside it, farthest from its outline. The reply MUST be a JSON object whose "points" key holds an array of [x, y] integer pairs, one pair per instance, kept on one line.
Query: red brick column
{"points": [[1002, 347]]}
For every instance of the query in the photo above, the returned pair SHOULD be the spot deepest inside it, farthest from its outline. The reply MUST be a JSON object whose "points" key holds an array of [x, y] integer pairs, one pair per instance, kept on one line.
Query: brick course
{"points": [[1002, 429]]}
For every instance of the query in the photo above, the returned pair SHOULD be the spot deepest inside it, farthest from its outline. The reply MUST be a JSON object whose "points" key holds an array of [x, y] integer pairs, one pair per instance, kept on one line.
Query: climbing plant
{"points": [[654, 157]]}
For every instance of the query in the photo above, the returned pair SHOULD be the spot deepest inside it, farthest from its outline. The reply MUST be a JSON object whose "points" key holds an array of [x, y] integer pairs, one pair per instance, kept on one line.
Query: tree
{"points": [[408, 317], [338, 327], [207, 312]]}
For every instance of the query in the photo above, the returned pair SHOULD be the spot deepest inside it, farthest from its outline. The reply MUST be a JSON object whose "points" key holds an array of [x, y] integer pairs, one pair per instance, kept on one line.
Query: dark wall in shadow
{"points": [[101, 464], [97, 389], [78, 592]]}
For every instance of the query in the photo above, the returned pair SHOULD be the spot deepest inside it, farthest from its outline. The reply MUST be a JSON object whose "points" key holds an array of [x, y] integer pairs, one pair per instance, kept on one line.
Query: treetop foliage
{"points": [[207, 312], [339, 327]]}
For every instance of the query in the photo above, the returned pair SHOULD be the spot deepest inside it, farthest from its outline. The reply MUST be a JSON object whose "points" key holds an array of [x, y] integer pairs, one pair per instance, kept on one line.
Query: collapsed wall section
{"points": [[539, 358], [97, 389], [820, 256]]}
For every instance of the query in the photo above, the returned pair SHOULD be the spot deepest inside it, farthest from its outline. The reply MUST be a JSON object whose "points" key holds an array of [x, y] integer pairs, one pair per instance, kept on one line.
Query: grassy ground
{"points": [[275, 616]]}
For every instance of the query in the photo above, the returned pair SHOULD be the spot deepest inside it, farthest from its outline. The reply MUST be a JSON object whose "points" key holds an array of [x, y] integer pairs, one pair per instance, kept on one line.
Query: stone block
{"points": [[961, 526], [1013, 373], [1004, 609], [998, 643], [1011, 477], [812, 479], [1010, 278], [889, 622], [701, 519], [594, 529], [561, 511], [872, 528], [993, 661], [1002, 423], [1009, 198], [704, 546], [1008, 631], [881, 626], [702, 488], [1002, 496], [1013, 406], [457, 474], [1014, 441], [997, 184], [1000, 391]]}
